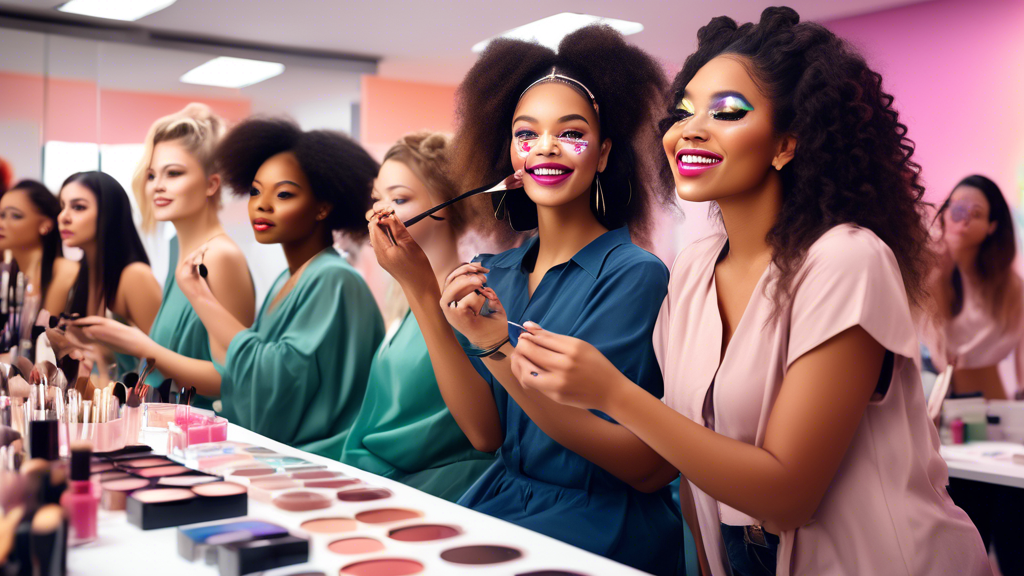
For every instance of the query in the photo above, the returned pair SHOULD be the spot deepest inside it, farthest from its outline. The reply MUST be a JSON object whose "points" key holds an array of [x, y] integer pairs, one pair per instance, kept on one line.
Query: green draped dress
{"points": [[404, 430], [299, 374]]}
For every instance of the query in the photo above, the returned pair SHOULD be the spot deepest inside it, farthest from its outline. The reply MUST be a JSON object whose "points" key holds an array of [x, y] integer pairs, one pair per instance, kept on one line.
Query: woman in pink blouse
{"points": [[794, 403]]}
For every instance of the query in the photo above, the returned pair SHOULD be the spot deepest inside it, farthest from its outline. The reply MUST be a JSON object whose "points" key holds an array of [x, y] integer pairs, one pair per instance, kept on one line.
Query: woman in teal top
{"points": [[299, 374], [176, 181], [404, 430]]}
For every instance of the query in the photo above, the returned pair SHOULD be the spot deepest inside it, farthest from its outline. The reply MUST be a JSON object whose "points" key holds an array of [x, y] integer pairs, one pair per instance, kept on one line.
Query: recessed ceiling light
{"points": [[232, 72], [550, 31], [115, 9]]}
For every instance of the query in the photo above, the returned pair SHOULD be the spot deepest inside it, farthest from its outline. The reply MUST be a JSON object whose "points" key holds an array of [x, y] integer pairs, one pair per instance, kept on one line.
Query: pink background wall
{"points": [[956, 69], [389, 108]]}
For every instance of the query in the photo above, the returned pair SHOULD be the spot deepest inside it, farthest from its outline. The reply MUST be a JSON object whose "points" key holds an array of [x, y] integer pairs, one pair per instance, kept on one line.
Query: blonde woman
{"points": [[176, 181]]}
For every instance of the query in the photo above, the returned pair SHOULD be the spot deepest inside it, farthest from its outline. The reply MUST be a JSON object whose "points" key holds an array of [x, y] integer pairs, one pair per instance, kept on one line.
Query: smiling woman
{"points": [[579, 125], [298, 374]]}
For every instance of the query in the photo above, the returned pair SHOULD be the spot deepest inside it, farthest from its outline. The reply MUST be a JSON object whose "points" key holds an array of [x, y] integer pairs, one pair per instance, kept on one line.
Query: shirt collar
{"points": [[590, 258]]}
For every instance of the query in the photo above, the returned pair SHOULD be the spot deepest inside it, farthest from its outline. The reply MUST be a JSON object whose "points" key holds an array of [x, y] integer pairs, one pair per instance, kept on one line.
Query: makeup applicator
{"points": [[509, 183]]}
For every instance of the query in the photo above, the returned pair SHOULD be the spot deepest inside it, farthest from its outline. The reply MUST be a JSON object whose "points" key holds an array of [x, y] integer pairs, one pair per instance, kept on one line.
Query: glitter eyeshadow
{"points": [[731, 103], [686, 106]]}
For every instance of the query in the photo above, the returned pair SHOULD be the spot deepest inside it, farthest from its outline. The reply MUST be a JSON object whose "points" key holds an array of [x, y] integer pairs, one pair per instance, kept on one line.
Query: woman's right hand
{"points": [[462, 299]]}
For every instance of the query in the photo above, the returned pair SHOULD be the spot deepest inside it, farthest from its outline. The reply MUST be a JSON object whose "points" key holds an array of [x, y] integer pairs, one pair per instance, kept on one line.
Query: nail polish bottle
{"points": [[80, 499]]}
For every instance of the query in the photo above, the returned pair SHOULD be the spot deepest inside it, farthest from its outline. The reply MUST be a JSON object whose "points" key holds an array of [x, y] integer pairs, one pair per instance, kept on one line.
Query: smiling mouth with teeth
{"points": [[548, 171], [692, 159]]}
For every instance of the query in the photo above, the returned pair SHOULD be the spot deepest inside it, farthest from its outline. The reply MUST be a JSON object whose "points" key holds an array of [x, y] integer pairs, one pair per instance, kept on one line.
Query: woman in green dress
{"points": [[176, 181], [299, 374], [404, 430]]}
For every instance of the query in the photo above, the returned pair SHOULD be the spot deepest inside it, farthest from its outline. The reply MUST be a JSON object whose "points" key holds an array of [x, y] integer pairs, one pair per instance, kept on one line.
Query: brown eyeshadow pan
{"points": [[481, 555], [302, 501], [364, 494], [385, 515], [424, 533]]}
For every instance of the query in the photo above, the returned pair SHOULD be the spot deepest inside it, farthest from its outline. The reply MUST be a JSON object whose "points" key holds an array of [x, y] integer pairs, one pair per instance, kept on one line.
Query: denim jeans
{"points": [[748, 559]]}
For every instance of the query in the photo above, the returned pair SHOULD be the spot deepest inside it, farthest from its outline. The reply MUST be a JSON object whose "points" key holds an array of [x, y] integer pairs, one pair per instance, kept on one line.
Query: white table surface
{"points": [[990, 462], [124, 549]]}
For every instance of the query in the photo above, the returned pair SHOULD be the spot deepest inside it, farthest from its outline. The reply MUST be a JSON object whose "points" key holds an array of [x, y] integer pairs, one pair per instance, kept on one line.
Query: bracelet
{"points": [[490, 351]]}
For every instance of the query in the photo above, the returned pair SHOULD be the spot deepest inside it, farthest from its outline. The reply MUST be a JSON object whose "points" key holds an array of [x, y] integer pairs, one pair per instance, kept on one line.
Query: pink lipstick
{"points": [[549, 173], [694, 162]]}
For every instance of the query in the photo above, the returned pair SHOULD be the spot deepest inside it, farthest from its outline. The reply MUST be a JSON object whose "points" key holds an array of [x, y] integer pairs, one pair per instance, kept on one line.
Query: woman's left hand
{"points": [[188, 278], [121, 337], [568, 370]]}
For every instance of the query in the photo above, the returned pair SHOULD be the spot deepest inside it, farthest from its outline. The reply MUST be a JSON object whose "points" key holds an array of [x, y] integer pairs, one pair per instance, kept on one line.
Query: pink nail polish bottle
{"points": [[80, 500]]}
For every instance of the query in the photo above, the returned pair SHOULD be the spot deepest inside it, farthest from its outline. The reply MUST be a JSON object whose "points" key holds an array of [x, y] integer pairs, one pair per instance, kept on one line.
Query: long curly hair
{"points": [[339, 171], [853, 159], [627, 85]]}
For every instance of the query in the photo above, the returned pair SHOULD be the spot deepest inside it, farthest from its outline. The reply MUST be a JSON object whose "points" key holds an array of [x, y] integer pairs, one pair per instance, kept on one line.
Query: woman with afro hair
{"points": [[793, 403], [299, 373], [579, 129]]}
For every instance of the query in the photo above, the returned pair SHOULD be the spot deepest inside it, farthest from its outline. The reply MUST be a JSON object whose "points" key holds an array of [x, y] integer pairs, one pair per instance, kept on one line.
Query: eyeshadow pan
{"points": [[355, 546], [124, 484], [424, 533], [317, 475], [253, 472], [364, 494], [274, 483], [114, 493], [161, 471], [219, 489], [383, 567], [302, 501], [163, 495], [97, 467], [187, 480], [329, 525], [108, 475], [385, 515], [337, 483], [480, 555]]}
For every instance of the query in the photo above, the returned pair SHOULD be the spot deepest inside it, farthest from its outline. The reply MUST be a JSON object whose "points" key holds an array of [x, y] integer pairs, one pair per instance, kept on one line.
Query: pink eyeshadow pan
{"points": [[109, 475], [385, 515], [190, 480], [424, 533], [383, 567], [355, 546], [163, 495], [219, 489], [124, 484], [302, 501], [274, 483], [161, 471], [253, 472], [338, 483], [364, 494], [100, 467], [329, 525]]}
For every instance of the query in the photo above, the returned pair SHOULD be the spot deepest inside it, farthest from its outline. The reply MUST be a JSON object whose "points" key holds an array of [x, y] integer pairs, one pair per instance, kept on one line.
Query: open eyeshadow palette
{"points": [[353, 525]]}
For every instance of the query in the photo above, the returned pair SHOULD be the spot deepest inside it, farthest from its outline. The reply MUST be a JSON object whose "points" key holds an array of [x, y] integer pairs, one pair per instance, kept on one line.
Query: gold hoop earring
{"points": [[599, 204]]}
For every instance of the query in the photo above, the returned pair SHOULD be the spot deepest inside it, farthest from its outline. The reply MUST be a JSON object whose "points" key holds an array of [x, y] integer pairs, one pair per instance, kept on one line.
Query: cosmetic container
{"points": [[239, 558], [80, 500], [956, 429]]}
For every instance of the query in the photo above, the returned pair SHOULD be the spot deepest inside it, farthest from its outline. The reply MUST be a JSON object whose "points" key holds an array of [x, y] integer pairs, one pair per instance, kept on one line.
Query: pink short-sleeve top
{"points": [[973, 336], [887, 510]]}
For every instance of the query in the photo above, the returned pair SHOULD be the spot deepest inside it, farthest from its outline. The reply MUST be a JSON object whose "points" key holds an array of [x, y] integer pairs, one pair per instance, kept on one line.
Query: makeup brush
{"points": [[509, 183], [132, 418], [164, 391]]}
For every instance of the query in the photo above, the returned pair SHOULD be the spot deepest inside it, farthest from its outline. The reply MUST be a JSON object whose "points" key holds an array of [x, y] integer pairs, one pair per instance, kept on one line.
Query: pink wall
{"points": [[390, 108], [957, 71]]}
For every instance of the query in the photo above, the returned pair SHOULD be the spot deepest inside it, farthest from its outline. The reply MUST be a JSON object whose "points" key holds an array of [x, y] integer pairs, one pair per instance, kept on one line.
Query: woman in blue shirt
{"points": [[576, 133]]}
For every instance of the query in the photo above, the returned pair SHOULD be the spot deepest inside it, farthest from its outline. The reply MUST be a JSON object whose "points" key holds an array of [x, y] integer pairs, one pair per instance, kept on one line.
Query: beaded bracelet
{"points": [[490, 351]]}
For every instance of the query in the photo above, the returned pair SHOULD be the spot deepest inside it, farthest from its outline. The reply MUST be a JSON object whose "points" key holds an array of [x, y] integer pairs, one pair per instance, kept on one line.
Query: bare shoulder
{"points": [[137, 271], [223, 251]]}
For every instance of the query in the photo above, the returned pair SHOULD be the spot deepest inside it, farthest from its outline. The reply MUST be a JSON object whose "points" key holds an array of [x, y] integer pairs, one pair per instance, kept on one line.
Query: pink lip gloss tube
{"points": [[80, 500]]}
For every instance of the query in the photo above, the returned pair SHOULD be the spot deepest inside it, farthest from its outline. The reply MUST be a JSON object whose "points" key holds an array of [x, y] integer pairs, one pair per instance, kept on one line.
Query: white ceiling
{"points": [[431, 41]]}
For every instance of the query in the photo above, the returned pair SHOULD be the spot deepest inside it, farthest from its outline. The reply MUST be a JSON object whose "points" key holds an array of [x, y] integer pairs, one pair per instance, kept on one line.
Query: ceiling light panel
{"points": [[229, 72], [550, 31], [115, 9]]}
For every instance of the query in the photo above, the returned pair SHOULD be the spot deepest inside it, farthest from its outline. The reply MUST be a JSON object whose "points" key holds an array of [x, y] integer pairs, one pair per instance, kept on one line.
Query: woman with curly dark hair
{"points": [[794, 407], [579, 126], [299, 374]]}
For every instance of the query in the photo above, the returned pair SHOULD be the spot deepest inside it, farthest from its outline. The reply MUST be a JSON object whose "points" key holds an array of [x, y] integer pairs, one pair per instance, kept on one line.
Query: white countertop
{"points": [[990, 462], [124, 549]]}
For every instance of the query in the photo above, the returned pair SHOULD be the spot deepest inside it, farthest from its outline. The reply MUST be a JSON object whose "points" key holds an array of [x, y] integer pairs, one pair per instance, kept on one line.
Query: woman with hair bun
{"points": [[298, 374], [793, 406], [578, 126], [404, 431], [177, 181]]}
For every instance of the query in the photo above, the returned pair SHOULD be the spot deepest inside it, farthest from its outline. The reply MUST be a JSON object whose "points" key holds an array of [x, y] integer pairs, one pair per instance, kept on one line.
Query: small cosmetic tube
{"points": [[80, 500], [194, 540], [240, 558]]}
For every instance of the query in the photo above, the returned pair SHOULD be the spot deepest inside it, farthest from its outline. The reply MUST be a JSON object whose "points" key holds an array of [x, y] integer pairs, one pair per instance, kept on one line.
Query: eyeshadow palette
{"points": [[165, 507]]}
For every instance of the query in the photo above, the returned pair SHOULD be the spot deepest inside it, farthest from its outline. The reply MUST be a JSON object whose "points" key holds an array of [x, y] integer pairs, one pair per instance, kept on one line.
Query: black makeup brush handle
{"points": [[458, 198]]}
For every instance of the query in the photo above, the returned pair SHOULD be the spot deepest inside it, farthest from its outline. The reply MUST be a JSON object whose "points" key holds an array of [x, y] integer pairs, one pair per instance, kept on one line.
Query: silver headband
{"points": [[552, 77]]}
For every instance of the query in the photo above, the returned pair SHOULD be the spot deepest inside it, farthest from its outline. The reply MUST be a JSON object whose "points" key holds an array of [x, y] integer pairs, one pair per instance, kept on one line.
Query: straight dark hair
{"points": [[49, 206], [117, 241]]}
